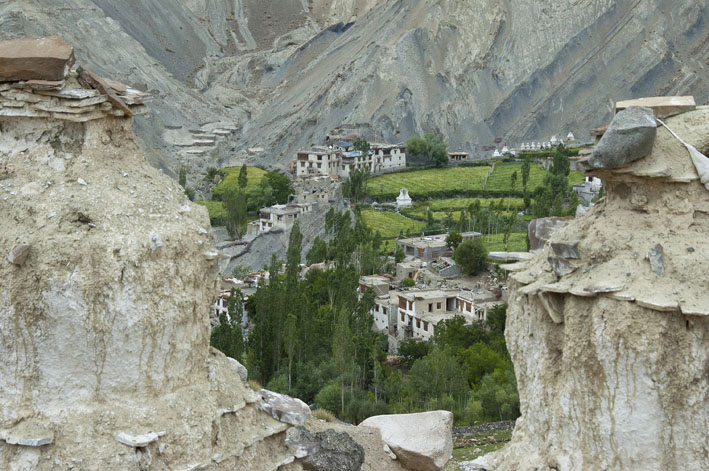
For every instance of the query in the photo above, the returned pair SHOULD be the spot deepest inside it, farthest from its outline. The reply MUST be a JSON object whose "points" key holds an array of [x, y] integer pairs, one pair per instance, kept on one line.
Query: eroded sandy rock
{"points": [[611, 358], [105, 335], [629, 137], [421, 442]]}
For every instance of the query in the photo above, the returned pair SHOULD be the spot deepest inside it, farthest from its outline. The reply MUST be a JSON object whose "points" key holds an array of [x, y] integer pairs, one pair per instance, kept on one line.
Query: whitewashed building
{"points": [[420, 311], [281, 216]]}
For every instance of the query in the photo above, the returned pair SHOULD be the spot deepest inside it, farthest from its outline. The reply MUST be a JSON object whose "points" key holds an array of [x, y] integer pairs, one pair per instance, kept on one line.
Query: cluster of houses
{"points": [[340, 158], [570, 141]]}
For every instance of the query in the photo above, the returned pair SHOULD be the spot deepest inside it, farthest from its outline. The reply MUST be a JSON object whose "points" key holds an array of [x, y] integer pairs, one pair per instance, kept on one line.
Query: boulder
{"points": [[45, 58], [540, 230], [630, 137], [287, 409], [421, 442], [566, 249], [328, 450], [239, 368]]}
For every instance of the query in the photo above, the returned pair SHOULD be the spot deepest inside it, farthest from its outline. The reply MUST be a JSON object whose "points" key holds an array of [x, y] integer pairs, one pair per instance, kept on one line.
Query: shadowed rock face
{"points": [[610, 357], [287, 72]]}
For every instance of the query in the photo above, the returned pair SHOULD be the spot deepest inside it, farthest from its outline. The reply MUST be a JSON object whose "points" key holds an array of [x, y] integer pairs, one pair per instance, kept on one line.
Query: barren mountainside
{"points": [[280, 74]]}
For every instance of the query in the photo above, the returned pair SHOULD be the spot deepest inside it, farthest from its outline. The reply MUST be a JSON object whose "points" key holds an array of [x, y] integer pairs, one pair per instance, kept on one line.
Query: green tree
{"points": [[243, 177], [342, 352], [471, 256], [280, 185], [318, 252], [182, 179], [431, 146], [525, 172], [290, 339], [235, 205], [573, 204], [453, 239], [513, 180], [361, 144], [511, 221], [355, 187]]}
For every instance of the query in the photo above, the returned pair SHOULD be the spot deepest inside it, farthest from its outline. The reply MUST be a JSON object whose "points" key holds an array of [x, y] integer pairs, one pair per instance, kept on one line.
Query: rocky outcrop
{"points": [[104, 307], [610, 357], [422, 441]]}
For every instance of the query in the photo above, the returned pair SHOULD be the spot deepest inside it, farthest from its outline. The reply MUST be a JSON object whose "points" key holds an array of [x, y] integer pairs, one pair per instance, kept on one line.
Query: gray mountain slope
{"points": [[285, 72]]}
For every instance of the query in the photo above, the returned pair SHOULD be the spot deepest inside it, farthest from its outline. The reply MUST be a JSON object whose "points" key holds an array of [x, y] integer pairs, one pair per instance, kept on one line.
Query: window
{"points": [[425, 326], [411, 305], [376, 307], [402, 317], [438, 305], [418, 323], [302, 164], [430, 307], [319, 165], [402, 304]]}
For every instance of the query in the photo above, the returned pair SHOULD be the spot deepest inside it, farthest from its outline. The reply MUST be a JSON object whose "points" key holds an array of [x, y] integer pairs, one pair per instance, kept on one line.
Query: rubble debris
{"points": [[629, 137], [46, 58], [656, 262], [18, 255]]}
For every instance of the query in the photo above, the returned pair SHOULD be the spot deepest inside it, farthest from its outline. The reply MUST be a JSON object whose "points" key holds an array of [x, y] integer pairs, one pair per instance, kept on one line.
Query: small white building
{"points": [[403, 200], [588, 190], [387, 157], [281, 216], [318, 161]]}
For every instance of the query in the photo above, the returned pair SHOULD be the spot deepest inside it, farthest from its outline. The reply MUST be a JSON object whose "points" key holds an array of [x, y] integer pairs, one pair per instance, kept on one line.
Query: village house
{"points": [[420, 311], [588, 190], [407, 269], [378, 283], [429, 248], [280, 216], [384, 312], [388, 157], [318, 161]]}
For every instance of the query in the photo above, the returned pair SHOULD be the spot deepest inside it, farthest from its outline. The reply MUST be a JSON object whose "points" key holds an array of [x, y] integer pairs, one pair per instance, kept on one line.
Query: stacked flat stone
{"points": [[36, 81]]}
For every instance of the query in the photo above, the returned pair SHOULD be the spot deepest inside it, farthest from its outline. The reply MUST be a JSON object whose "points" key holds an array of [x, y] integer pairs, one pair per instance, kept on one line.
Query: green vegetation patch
{"points": [[463, 203], [500, 179], [424, 183], [389, 224], [231, 182], [471, 447], [217, 213], [496, 243]]}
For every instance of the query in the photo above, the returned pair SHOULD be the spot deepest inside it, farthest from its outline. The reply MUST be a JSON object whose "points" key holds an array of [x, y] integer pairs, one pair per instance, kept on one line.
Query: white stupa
{"points": [[496, 153], [403, 200], [570, 136]]}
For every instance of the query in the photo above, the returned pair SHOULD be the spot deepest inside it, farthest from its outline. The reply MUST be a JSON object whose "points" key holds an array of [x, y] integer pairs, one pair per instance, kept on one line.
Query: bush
{"points": [[471, 256], [329, 398], [408, 282], [323, 414]]}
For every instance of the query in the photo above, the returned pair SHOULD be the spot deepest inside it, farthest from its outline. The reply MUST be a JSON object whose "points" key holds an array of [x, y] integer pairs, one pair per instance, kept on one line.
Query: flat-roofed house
{"points": [[420, 311], [318, 161], [281, 216], [429, 248]]}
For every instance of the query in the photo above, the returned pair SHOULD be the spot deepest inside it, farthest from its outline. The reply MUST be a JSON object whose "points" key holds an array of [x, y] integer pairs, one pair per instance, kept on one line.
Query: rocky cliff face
{"points": [[284, 73], [608, 326], [108, 274]]}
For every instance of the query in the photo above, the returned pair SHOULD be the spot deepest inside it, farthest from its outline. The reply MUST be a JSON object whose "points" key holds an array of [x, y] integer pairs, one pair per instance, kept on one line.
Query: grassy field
{"points": [[463, 203], [500, 180], [389, 224], [496, 243], [230, 182], [424, 182]]}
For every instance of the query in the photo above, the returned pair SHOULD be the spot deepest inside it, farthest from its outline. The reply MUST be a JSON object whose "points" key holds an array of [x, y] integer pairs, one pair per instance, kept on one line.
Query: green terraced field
{"points": [[501, 177], [426, 182], [215, 209], [254, 175], [463, 203], [496, 243], [389, 224]]}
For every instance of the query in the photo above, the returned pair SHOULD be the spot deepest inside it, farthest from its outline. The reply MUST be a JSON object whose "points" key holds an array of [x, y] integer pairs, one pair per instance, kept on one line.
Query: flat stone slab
{"points": [[136, 440], [45, 58], [284, 408], [28, 433], [663, 106], [421, 442]]}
